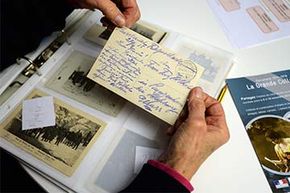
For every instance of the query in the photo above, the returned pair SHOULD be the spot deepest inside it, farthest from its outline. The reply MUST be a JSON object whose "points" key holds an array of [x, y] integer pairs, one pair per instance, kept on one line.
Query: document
{"points": [[263, 103], [148, 75], [251, 22], [38, 112], [61, 145]]}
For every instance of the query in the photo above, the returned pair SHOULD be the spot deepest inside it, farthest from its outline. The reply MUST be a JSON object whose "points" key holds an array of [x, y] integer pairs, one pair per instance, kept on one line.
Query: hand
{"points": [[120, 12], [202, 132]]}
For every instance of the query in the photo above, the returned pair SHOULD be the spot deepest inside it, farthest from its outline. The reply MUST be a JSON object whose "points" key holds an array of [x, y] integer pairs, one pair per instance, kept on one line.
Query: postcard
{"points": [[263, 102], [71, 81], [100, 35], [251, 22], [148, 75], [62, 146]]}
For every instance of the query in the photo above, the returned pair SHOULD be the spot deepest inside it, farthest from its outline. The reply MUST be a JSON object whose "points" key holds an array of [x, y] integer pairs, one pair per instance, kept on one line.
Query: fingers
{"points": [[196, 107], [112, 12], [203, 107], [215, 118], [131, 12], [181, 118], [120, 12], [170, 131], [214, 113]]}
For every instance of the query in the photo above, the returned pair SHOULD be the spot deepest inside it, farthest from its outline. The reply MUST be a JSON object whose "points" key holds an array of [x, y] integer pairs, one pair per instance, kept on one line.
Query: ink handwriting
{"points": [[143, 72]]}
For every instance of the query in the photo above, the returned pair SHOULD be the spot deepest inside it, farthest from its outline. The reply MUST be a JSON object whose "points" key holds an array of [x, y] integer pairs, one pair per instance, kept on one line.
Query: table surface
{"points": [[234, 167]]}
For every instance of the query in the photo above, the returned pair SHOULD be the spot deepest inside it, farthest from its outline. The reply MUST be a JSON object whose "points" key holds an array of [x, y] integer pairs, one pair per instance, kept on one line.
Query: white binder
{"points": [[127, 127]]}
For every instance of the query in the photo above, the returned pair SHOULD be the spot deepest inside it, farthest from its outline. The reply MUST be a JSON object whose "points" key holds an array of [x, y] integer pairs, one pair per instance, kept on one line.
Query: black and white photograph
{"points": [[99, 34], [71, 80], [63, 145]]}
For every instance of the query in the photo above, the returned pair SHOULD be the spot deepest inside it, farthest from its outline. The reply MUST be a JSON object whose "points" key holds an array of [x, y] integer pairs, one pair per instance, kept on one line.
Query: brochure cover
{"points": [[263, 103]]}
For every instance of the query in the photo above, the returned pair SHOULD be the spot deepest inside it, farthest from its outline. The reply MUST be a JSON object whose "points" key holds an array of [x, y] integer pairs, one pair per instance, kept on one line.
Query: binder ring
{"points": [[30, 63], [24, 58]]}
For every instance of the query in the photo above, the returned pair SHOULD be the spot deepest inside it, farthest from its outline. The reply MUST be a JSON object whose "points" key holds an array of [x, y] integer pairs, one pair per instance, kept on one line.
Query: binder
{"points": [[30, 63], [37, 70]]}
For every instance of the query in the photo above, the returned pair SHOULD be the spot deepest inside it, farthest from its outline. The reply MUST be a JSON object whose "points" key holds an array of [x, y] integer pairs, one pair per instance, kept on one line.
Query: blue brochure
{"points": [[263, 103]]}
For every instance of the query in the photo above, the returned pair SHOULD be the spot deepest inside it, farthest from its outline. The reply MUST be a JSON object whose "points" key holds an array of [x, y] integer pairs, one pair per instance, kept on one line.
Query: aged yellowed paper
{"points": [[62, 146], [148, 75]]}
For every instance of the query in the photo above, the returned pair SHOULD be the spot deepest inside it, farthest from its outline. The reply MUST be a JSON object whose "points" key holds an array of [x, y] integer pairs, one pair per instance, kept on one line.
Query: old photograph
{"points": [[149, 31], [270, 137], [71, 80], [99, 34], [63, 145]]}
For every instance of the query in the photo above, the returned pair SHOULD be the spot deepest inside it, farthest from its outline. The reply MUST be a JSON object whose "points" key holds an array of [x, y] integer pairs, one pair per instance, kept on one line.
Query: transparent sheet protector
{"points": [[75, 44], [116, 170], [102, 153], [216, 62], [263, 103]]}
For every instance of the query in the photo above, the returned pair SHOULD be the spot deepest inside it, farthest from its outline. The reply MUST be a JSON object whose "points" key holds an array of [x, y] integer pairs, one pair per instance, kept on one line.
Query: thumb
{"points": [[112, 12], [196, 106]]}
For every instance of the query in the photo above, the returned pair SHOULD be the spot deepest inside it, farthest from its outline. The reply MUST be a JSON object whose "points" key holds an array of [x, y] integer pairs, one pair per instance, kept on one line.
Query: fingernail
{"points": [[198, 92], [120, 21]]}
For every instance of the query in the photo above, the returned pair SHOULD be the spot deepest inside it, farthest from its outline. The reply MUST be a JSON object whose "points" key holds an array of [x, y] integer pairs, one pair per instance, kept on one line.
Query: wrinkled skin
{"points": [[199, 134]]}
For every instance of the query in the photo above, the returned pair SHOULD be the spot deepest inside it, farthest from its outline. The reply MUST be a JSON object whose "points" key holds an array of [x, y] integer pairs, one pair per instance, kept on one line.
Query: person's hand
{"points": [[201, 133], [119, 12]]}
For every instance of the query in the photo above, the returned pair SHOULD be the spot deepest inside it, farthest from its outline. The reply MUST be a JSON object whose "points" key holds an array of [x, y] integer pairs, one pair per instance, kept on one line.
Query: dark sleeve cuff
{"points": [[153, 179], [173, 173]]}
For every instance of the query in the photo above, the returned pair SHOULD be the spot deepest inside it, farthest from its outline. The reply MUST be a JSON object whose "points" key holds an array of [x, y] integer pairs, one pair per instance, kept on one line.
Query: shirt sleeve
{"points": [[158, 177], [173, 173]]}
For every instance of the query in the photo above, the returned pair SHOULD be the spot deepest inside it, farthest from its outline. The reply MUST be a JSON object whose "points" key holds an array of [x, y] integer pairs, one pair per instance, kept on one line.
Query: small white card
{"points": [[38, 112], [143, 154]]}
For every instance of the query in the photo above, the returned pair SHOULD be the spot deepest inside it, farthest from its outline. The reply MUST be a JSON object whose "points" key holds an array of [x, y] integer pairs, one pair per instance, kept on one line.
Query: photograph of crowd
{"points": [[66, 141]]}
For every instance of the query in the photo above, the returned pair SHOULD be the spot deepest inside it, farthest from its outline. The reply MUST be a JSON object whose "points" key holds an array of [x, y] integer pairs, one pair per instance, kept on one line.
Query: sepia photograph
{"points": [[270, 137], [63, 145], [99, 34], [71, 80]]}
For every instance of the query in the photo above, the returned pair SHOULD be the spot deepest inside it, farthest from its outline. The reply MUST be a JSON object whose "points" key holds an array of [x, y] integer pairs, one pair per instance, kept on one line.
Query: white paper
{"points": [[143, 154], [38, 113], [242, 29]]}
